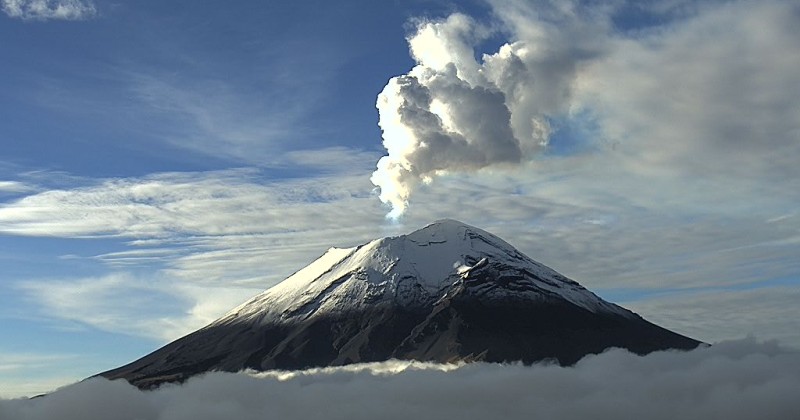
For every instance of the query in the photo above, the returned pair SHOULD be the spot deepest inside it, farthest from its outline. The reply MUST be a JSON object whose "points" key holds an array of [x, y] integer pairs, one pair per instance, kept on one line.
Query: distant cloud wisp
{"points": [[49, 9], [13, 187]]}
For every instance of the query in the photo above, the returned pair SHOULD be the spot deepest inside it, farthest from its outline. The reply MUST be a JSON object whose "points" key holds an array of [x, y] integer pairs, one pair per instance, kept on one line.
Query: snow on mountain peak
{"points": [[413, 269]]}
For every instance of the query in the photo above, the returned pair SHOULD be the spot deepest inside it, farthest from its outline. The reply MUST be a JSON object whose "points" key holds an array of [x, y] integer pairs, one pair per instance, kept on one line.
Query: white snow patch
{"points": [[346, 278]]}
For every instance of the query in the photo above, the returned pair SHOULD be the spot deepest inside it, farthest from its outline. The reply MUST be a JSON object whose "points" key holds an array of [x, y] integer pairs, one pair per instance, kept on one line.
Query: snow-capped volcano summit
{"points": [[415, 270], [446, 292]]}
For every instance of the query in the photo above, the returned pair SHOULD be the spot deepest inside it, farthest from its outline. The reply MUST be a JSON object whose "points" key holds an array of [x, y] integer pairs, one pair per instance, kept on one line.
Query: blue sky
{"points": [[163, 161]]}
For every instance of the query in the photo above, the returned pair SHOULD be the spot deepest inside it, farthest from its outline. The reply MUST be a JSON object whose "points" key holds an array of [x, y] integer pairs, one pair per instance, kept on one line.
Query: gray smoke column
{"points": [[454, 113]]}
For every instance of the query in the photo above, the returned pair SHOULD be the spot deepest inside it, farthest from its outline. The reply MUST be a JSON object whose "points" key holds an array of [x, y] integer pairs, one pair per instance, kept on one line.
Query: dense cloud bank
{"points": [[732, 380]]}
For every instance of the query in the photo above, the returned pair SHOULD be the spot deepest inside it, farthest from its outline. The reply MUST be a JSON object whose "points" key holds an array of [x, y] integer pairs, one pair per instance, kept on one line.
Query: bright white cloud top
{"points": [[452, 113]]}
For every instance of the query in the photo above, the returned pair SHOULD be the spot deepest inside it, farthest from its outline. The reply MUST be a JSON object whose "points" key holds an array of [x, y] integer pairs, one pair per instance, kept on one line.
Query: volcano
{"points": [[447, 292]]}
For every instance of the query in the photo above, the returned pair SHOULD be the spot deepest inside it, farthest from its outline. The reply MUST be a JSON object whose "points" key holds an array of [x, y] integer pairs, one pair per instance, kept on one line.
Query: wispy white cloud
{"points": [[709, 97], [162, 205], [235, 232], [49, 9], [606, 229], [108, 303], [20, 361], [201, 242], [688, 131], [733, 380], [214, 117], [15, 187], [196, 224], [336, 159], [150, 306], [29, 374], [689, 181], [684, 188], [194, 107], [762, 312]]}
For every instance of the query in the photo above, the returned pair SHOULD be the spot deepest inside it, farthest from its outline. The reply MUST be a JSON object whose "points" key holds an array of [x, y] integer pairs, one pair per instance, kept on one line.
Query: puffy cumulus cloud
{"points": [[452, 112], [706, 91], [733, 380], [49, 9]]}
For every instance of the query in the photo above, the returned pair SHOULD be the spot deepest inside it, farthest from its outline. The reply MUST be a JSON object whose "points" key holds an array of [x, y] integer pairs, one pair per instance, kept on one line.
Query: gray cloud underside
{"points": [[732, 380]]}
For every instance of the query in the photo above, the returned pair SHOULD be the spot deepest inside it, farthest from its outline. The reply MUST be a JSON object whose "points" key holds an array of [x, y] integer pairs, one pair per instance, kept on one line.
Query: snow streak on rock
{"points": [[429, 261]]}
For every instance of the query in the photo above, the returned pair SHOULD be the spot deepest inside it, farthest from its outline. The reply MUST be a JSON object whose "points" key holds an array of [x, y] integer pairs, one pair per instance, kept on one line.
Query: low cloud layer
{"points": [[732, 380], [49, 9]]}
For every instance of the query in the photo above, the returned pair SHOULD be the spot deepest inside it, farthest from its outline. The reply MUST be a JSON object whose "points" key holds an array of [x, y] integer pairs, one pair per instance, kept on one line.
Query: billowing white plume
{"points": [[453, 113]]}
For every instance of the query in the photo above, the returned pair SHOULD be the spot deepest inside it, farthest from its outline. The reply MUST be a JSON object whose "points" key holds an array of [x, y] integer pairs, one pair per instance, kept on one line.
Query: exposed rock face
{"points": [[444, 293]]}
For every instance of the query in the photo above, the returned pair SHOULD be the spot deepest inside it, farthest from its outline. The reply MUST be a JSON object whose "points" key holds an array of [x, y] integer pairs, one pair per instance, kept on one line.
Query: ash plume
{"points": [[454, 113]]}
